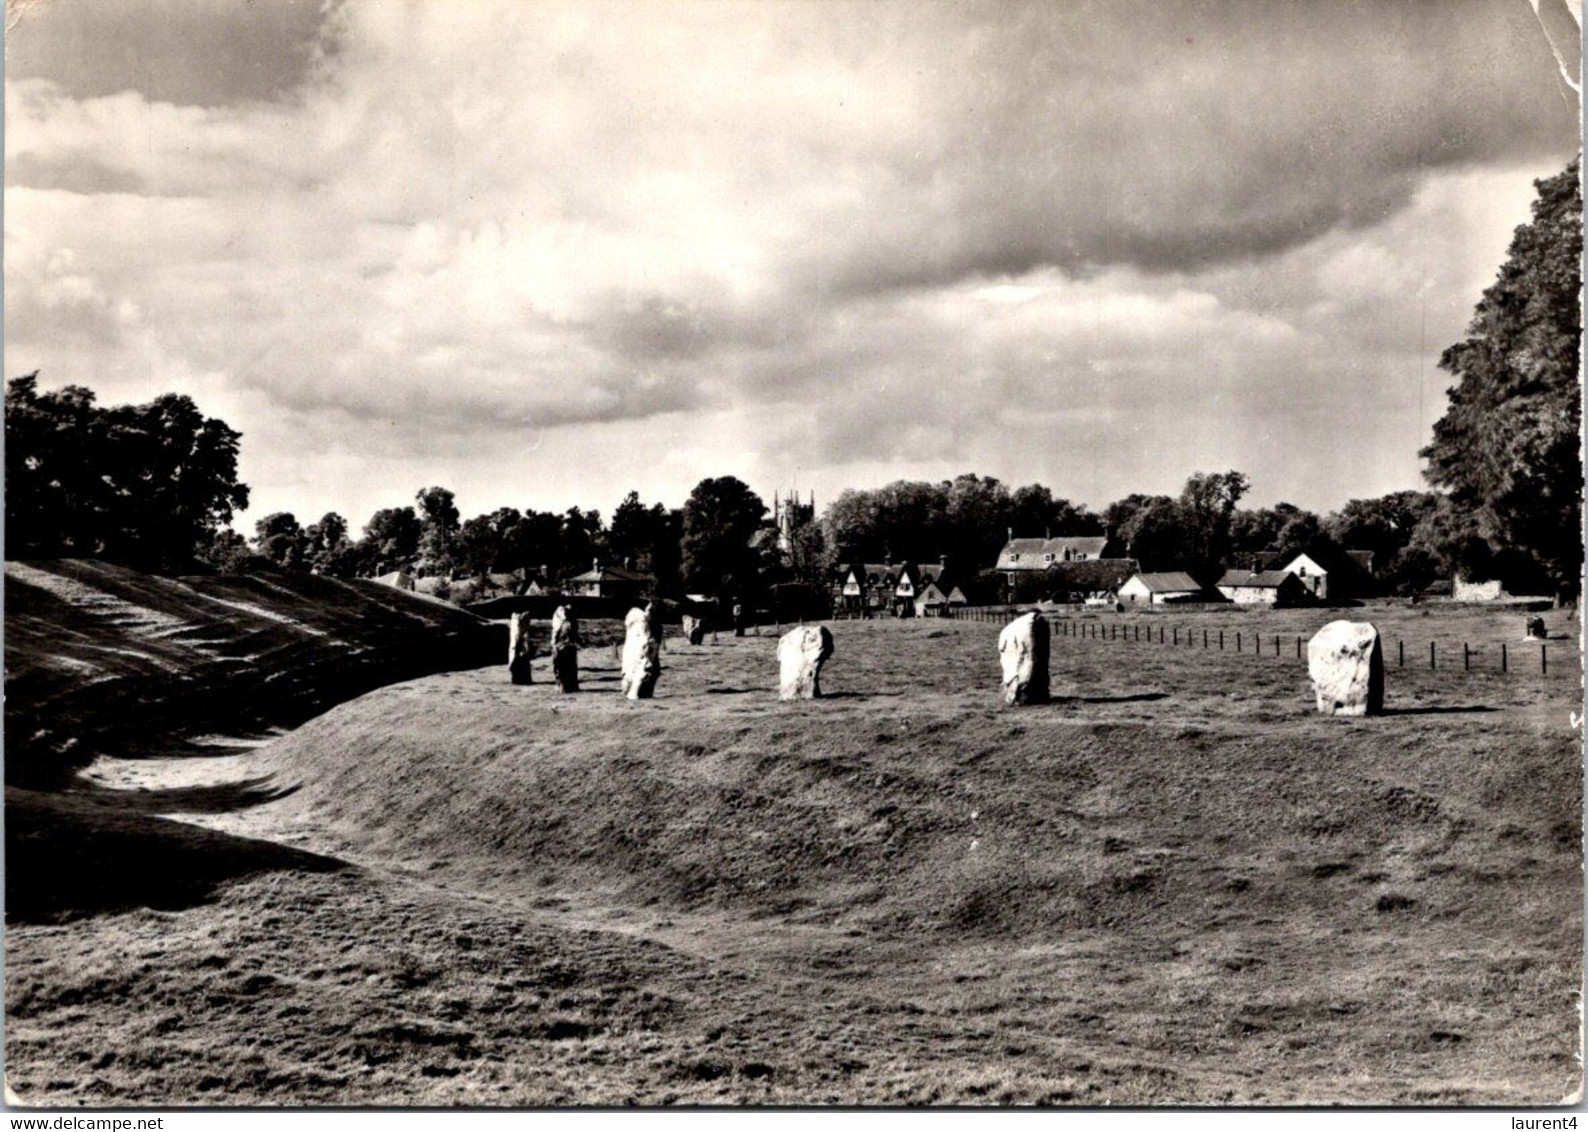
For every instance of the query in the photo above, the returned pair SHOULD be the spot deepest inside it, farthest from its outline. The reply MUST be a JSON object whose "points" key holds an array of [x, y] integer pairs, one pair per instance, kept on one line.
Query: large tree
{"points": [[1507, 449], [148, 485], [438, 530], [720, 518]]}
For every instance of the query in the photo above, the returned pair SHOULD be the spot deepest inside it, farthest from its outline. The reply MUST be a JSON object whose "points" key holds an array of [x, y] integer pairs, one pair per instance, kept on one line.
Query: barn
{"points": [[1159, 589], [1263, 587]]}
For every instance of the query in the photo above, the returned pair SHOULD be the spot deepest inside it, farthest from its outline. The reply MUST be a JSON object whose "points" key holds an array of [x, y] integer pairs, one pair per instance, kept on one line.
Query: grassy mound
{"points": [[101, 658], [1150, 793]]}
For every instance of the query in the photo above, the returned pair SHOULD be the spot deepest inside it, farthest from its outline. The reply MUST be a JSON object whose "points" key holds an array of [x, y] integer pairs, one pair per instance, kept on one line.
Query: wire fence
{"points": [[1499, 658], [1528, 656]]}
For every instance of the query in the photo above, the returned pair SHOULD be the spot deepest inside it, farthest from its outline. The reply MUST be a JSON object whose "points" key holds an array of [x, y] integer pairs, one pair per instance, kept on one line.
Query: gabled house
{"points": [[1263, 587], [1311, 573], [1162, 589], [1023, 555], [869, 588], [612, 581]]}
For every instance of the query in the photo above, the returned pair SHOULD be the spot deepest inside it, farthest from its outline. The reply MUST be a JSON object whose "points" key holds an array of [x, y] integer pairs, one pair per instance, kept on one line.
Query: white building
{"points": [[1156, 589]]}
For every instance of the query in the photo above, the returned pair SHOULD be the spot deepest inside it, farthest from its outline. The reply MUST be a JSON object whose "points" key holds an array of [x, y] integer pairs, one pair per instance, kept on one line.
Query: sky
{"points": [[546, 253]]}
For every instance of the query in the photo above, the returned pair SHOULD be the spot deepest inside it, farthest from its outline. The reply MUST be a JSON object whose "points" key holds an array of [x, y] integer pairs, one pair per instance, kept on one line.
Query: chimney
{"points": [[1047, 532], [595, 564], [1010, 533]]}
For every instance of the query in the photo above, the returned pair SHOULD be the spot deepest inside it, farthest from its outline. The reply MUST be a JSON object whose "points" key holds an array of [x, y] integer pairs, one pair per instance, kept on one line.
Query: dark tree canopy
{"points": [[1507, 449], [147, 485], [720, 518]]}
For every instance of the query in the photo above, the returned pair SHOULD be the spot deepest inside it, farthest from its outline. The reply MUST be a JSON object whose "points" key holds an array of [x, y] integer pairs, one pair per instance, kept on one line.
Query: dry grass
{"points": [[1176, 884]]}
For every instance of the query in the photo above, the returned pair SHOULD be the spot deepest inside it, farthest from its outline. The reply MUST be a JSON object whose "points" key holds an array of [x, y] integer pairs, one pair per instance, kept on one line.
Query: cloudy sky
{"points": [[545, 253]]}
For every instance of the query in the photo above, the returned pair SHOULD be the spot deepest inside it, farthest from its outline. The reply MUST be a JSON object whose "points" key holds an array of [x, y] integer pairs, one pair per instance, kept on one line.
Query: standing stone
{"points": [[520, 650], [1346, 663], [1536, 630], [800, 656], [642, 653], [1023, 649], [565, 650], [694, 629]]}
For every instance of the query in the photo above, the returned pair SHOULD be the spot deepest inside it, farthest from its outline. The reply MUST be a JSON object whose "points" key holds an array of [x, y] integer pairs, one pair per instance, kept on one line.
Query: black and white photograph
{"points": [[855, 554]]}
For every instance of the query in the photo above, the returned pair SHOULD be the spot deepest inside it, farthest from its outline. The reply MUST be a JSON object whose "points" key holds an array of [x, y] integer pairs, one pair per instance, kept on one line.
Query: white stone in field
{"points": [[800, 655], [1346, 662], [565, 650], [642, 653], [520, 650], [694, 629], [1023, 650]]}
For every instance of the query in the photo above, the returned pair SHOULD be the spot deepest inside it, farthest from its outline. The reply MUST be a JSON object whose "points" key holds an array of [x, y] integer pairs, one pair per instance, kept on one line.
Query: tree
{"points": [[1034, 510], [279, 539], [146, 485], [1157, 536], [479, 545], [437, 509], [1208, 503], [1507, 448], [325, 542], [581, 540], [720, 517], [393, 535]]}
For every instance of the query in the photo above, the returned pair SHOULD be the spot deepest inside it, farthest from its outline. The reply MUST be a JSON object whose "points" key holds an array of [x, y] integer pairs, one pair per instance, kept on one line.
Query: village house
{"points": [[1263, 587], [866, 589], [1162, 589], [613, 582], [1026, 555], [932, 601], [1310, 573]]}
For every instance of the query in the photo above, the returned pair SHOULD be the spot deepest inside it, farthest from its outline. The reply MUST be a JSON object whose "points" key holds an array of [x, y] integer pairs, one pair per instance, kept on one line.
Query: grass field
{"points": [[1175, 884]]}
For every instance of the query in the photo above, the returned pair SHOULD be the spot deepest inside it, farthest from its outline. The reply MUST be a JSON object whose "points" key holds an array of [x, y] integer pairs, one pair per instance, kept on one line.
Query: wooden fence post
{"points": [[1401, 646], [1433, 665], [1237, 642], [1543, 659], [1204, 638], [1298, 648], [1466, 657], [1505, 665], [1221, 640]]}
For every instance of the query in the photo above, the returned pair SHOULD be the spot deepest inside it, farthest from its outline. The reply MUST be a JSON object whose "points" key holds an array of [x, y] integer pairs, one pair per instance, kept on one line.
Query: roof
{"points": [[1175, 581], [612, 574], [888, 572], [1363, 558], [1303, 559], [1262, 580], [1036, 550]]}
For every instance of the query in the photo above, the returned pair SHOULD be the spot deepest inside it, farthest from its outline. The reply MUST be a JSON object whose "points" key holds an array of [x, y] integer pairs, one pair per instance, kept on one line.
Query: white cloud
{"points": [[537, 251]]}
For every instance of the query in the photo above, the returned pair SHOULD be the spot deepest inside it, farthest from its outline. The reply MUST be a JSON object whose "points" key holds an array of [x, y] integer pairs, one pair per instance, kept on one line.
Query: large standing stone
{"points": [[800, 656], [520, 649], [1346, 662], [694, 629], [565, 649], [1023, 649], [642, 653], [1536, 630]]}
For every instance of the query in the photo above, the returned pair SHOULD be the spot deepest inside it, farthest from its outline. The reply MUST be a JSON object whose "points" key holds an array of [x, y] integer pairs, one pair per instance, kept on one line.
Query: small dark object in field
{"points": [[1394, 902]]}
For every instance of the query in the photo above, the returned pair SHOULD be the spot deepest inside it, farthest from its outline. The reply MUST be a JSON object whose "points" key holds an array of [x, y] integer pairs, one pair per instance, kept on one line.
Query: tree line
{"points": [[155, 486]]}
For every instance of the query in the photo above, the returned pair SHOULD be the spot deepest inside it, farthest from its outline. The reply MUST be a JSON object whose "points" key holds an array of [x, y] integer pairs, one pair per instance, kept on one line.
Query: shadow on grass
{"points": [[1459, 709], [223, 798], [75, 855], [861, 695], [1134, 698], [731, 691]]}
